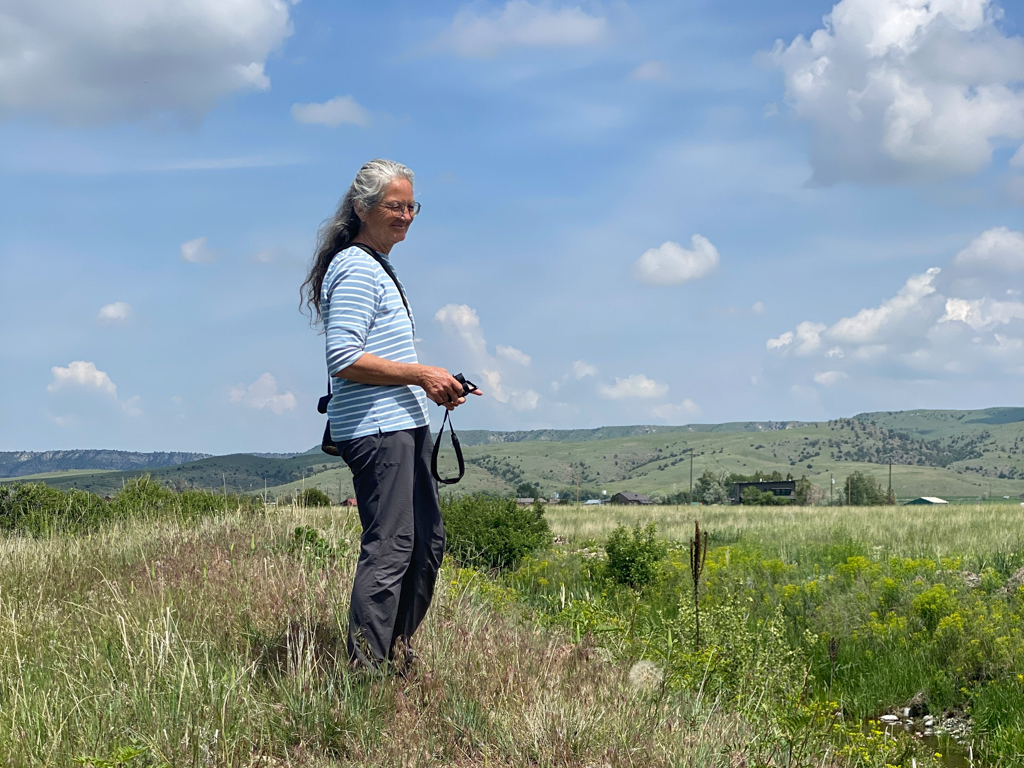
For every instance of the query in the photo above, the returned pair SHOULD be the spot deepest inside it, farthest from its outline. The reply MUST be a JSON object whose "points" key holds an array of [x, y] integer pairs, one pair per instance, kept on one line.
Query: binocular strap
{"points": [[437, 450]]}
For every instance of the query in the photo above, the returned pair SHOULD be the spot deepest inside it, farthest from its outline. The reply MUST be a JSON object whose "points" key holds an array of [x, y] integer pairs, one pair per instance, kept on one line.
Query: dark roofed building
{"points": [[627, 497], [784, 489]]}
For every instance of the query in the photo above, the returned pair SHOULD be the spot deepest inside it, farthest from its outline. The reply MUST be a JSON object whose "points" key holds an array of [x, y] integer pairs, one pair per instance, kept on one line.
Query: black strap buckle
{"points": [[437, 450]]}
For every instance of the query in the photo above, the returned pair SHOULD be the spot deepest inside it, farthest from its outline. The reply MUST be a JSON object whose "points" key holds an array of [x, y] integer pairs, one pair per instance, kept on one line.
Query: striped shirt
{"points": [[363, 312]]}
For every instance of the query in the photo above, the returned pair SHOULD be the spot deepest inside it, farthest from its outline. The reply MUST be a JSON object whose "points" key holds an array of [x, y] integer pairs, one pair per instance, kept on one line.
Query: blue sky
{"points": [[642, 212]]}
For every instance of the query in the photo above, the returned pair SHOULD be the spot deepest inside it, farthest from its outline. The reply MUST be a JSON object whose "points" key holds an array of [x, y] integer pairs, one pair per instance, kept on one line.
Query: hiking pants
{"points": [[402, 543]]}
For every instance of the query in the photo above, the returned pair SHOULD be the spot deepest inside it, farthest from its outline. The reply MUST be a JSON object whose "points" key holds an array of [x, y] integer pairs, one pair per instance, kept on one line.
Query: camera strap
{"points": [[437, 450]]}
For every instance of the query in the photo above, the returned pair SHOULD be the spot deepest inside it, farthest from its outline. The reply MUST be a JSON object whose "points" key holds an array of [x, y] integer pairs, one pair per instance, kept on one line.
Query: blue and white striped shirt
{"points": [[363, 312]]}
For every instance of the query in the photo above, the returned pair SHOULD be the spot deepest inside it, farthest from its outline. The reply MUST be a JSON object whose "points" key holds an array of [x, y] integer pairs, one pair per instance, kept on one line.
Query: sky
{"points": [[633, 212]]}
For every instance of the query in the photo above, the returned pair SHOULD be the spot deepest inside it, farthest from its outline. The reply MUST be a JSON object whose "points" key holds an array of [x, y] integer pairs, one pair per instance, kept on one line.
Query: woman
{"points": [[378, 412]]}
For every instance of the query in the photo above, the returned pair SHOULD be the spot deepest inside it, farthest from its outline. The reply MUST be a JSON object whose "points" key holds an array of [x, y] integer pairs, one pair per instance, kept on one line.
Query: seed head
{"points": [[645, 675]]}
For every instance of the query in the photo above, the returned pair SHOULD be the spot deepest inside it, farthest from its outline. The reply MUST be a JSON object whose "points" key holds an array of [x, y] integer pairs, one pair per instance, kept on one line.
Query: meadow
{"points": [[191, 636]]}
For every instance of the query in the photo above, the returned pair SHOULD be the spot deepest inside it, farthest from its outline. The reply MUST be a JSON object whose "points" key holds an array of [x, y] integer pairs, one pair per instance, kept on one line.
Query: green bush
{"points": [[314, 497], [37, 509], [633, 557], [488, 532]]}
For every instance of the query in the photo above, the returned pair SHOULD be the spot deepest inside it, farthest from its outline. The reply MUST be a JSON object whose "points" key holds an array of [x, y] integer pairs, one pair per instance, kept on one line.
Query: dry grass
{"points": [[215, 645], [900, 531]]}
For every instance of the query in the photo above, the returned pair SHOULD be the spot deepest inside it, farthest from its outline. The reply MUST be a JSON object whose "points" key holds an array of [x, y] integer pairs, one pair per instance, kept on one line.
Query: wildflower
{"points": [[645, 675]]}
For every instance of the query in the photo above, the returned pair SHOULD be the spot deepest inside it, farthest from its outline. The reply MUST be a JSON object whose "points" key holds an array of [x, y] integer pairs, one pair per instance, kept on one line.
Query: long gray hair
{"points": [[341, 229]]}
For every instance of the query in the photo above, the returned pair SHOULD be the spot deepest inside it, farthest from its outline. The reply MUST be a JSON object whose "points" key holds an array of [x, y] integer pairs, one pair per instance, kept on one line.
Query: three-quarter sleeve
{"points": [[351, 297]]}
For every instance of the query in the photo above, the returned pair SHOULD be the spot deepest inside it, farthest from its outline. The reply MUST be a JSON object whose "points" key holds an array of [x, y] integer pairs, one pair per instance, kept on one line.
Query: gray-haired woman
{"points": [[378, 412]]}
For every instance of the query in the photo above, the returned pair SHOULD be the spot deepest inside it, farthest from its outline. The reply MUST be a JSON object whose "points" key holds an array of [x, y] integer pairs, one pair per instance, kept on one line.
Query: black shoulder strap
{"points": [[387, 268]]}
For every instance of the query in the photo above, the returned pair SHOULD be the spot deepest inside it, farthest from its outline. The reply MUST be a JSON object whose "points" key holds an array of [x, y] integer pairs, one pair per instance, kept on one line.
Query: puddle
{"points": [[934, 733]]}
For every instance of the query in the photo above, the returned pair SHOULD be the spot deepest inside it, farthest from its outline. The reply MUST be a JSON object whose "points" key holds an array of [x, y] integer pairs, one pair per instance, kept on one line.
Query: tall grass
{"points": [[219, 641]]}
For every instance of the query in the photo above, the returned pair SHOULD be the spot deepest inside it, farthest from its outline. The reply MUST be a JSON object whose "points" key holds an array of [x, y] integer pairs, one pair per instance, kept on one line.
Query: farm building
{"points": [[527, 502], [349, 503], [927, 500], [627, 497], [785, 489]]}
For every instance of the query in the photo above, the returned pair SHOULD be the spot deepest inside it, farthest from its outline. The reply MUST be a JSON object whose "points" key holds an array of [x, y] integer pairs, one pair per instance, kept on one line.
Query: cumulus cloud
{"points": [[513, 355], [687, 408], [262, 394], [116, 312], [671, 264], [942, 322], [998, 249], [901, 90], [111, 60], [84, 376], [505, 383], [635, 386], [581, 369], [757, 308], [828, 378], [651, 70], [332, 113], [196, 251], [81, 373], [463, 321], [520, 24]]}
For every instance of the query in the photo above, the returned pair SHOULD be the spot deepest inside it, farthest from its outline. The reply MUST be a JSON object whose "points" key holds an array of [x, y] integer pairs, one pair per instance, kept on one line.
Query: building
{"points": [[927, 500], [627, 497], [528, 502], [349, 503], [593, 502], [784, 489]]}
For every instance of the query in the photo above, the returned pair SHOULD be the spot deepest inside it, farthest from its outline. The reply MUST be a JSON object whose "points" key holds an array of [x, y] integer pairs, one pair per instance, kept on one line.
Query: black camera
{"points": [[468, 386]]}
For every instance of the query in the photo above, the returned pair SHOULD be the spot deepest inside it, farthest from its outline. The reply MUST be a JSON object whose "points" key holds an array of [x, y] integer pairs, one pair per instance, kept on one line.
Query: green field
{"points": [[177, 637]]}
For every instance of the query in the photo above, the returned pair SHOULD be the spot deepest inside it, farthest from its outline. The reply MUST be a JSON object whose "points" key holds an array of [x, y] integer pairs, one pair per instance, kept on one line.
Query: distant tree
{"points": [[527, 490], [805, 489], [709, 489], [863, 490], [680, 497], [890, 497], [314, 497], [752, 496]]}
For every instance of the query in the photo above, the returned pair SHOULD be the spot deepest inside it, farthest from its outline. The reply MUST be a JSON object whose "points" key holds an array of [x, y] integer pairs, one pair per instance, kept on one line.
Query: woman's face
{"points": [[388, 221]]}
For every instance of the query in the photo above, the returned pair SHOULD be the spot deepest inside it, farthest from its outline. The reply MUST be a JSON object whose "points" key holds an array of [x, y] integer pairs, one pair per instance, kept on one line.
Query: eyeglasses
{"points": [[399, 209]]}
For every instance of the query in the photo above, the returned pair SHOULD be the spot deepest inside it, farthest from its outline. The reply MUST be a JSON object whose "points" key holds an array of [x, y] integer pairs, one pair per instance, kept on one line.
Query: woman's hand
{"points": [[440, 386]]}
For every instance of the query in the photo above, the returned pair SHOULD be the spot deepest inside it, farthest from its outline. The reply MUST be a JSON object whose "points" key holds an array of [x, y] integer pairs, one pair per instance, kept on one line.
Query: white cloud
{"points": [[520, 24], [84, 376], [582, 368], [196, 252], [513, 355], [270, 255], [770, 110], [81, 373], [110, 60], [828, 378], [337, 111], [899, 90], [651, 70], [463, 321], [116, 312], [982, 313], [261, 394], [998, 249], [953, 321], [525, 400], [757, 308], [686, 408], [634, 386], [874, 323], [671, 264]]}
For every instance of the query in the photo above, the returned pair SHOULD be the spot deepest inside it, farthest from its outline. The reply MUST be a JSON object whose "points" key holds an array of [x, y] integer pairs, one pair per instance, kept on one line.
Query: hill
{"points": [[21, 463], [955, 454]]}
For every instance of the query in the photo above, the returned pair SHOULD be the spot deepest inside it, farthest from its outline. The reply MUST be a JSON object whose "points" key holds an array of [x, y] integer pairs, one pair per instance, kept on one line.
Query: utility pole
{"points": [[831, 487], [890, 494], [849, 480], [691, 478]]}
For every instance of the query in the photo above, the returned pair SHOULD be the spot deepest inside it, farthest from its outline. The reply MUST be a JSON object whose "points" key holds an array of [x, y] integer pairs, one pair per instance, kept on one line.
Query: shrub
{"points": [[314, 497], [484, 531], [633, 557], [37, 509]]}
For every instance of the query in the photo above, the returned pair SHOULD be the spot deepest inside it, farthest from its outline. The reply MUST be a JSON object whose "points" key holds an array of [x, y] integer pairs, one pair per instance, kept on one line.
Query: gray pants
{"points": [[402, 543]]}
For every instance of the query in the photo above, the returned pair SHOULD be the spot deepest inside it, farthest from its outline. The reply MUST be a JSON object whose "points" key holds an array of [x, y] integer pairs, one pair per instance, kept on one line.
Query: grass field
{"points": [[220, 642]]}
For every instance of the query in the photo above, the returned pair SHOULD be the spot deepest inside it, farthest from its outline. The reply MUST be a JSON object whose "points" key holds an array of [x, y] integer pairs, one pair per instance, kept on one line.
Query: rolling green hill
{"points": [[955, 454]]}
